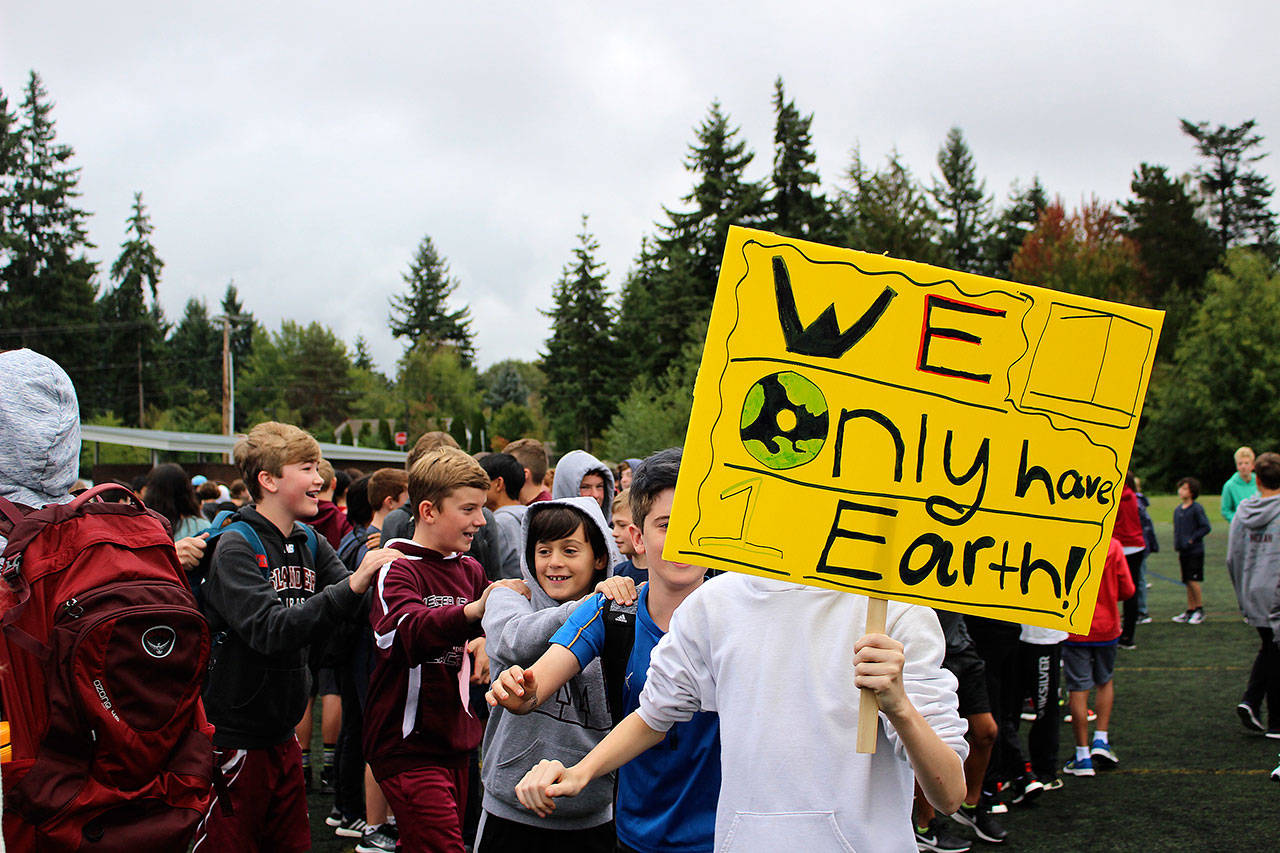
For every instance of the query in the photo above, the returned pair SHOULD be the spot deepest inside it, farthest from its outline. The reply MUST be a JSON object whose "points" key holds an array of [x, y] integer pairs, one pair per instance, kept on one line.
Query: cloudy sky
{"points": [[304, 148]]}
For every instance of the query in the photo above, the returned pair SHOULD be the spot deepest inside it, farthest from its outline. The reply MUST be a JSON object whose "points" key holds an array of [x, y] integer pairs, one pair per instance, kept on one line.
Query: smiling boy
{"points": [[264, 609], [419, 728]]}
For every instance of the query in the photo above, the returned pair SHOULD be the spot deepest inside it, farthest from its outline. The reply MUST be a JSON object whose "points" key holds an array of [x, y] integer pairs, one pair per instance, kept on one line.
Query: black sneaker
{"points": [[326, 779], [350, 827], [1249, 717], [1025, 789], [334, 819], [938, 837], [982, 823]]}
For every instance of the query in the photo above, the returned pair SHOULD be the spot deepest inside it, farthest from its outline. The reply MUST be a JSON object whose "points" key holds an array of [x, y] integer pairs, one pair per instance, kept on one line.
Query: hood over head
{"points": [[570, 470], [587, 506], [39, 430], [1257, 511]]}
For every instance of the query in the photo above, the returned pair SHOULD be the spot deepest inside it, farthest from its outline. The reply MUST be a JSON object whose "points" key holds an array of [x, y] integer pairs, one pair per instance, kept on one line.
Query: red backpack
{"points": [[102, 657]]}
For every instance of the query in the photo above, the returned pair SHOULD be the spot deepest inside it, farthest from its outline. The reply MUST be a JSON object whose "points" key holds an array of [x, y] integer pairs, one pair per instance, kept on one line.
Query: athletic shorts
{"points": [[327, 682], [1192, 566], [1086, 667], [971, 672]]}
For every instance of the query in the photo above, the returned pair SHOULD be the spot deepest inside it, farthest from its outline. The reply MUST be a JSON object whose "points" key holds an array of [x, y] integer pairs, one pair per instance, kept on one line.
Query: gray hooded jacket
{"points": [[570, 470], [568, 725], [39, 430], [1253, 560]]}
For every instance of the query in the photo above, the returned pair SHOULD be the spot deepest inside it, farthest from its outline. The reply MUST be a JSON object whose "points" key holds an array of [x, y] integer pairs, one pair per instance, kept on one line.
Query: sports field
{"points": [[1190, 776]]}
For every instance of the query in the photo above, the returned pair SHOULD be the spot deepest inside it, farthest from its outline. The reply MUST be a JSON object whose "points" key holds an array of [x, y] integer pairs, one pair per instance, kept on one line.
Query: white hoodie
{"points": [[768, 657]]}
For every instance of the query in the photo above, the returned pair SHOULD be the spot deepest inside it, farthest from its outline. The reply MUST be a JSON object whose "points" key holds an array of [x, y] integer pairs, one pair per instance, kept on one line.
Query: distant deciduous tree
{"points": [[1084, 252]]}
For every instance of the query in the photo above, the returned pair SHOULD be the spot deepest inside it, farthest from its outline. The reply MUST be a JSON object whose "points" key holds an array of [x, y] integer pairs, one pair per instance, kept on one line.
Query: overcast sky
{"points": [[303, 149]]}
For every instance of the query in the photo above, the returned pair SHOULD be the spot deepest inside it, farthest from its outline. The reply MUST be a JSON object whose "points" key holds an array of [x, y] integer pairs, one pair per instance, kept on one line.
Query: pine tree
{"points": [[47, 290], [722, 197], [1175, 246], [131, 367], [242, 325], [195, 357], [796, 206], [362, 360], [421, 315], [963, 204], [580, 391], [888, 212], [1238, 195], [1011, 227]]}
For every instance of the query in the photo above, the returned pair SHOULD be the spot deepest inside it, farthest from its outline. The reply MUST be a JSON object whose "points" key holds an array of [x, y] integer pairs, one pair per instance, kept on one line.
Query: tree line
{"points": [[616, 372]]}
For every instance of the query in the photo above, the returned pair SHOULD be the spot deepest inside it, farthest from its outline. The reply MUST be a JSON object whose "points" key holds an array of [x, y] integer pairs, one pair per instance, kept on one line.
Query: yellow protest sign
{"points": [[904, 431]]}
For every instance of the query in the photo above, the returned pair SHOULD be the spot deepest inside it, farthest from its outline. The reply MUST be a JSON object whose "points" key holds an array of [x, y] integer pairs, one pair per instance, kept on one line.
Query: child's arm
{"points": [[517, 633], [550, 779], [1202, 525], [521, 690], [878, 665]]}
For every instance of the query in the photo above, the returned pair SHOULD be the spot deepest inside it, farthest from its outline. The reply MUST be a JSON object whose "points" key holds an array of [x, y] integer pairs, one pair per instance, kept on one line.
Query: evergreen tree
{"points": [[888, 212], [721, 197], [1238, 195], [195, 357], [131, 368], [242, 325], [1175, 247], [503, 383], [362, 359], [579, 359], [963, 204], [1011, 227], [796, 206], [47, 290], [421, 315]]}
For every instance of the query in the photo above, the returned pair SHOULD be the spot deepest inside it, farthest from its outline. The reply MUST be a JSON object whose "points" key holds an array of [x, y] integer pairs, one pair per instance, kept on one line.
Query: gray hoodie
{"points": [[1253, 560], [568, 725], [570, 470], [39, 430]]}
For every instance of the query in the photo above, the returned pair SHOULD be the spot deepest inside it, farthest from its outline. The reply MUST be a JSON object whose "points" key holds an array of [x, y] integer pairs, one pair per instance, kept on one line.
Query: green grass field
{"points": [[1190, 776]]}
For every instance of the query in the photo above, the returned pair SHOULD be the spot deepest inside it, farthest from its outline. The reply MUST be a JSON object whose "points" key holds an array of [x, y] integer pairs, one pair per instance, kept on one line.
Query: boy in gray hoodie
{"points": [[567, 550], [1253, 561], [578, 473]]}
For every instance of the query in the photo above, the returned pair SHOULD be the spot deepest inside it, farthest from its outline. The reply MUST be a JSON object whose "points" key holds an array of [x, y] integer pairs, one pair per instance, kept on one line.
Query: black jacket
{"points": [[258, 683]]}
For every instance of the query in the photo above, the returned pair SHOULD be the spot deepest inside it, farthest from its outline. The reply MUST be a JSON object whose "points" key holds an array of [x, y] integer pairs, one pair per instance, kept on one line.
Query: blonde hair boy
{"points": [[269, 447]]}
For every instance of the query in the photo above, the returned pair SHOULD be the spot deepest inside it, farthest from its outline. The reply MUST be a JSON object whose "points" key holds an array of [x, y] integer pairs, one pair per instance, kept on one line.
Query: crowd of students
{"points": [[509, 662]]}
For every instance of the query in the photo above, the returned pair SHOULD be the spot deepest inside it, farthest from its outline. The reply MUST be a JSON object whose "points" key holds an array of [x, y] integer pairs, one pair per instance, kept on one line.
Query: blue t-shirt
{"points": [[667, 795], [628, 569]]}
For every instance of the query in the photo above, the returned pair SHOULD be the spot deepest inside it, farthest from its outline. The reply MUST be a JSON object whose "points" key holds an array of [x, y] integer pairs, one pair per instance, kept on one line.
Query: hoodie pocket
{"points": [[502, 779], [265, 700], [815, 831]]}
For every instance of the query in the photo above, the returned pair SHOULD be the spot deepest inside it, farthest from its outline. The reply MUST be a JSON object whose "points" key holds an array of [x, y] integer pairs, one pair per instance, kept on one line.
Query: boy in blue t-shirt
{"points": [[666, 796]]}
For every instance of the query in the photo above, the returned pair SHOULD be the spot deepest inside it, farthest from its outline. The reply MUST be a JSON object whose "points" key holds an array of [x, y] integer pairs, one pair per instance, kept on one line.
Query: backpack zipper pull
{"points": [[72, 608]]}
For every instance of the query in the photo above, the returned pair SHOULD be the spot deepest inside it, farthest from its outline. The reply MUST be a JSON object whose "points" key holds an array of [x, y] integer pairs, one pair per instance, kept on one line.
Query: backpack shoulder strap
{"points": [[313, 540], [619, 639], [250, 535]]}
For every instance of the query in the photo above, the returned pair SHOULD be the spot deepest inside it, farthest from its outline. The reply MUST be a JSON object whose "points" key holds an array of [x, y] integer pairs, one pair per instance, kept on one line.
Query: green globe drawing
{"points": [[784, 420]]}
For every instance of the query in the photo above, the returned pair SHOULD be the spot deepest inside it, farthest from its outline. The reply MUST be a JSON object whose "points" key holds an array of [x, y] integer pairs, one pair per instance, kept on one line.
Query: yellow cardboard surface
{"points": [[891, 428]]}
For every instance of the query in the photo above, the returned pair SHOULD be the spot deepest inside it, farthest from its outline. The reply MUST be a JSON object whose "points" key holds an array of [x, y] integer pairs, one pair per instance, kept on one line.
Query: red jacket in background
{"points": [[1116, 586], [414, 714], [1128, 522], [330, 522]]}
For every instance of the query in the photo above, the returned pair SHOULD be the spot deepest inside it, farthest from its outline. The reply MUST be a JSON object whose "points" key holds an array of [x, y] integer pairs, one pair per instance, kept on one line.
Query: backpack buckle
{"points": [[11, 568]]}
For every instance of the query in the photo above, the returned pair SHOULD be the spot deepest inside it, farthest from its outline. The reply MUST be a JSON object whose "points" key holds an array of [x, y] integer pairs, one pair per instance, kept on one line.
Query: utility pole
{"points": [[228, 376], [142, 409]]}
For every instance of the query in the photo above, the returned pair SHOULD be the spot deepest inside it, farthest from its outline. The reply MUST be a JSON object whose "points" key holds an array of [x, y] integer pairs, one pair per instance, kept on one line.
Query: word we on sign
{"points": [[908, 432]]}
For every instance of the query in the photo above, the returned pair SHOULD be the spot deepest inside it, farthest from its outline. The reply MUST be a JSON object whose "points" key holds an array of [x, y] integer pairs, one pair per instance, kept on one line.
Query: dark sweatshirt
{"points": [[1190, 526], [258, 682], [414, 714], [330, 522]]}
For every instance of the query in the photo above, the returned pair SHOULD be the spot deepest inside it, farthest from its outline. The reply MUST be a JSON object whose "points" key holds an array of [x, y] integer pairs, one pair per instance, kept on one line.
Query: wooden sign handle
{"points": [[868, 708]]}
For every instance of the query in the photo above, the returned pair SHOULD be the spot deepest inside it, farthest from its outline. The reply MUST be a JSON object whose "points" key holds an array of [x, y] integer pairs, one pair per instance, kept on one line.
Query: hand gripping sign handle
{"points": [[868, 708]]}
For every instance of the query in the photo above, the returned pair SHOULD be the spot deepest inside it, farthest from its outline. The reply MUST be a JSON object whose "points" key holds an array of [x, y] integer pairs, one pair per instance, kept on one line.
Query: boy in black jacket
{"points": [[265, 608], [1190, 526]]}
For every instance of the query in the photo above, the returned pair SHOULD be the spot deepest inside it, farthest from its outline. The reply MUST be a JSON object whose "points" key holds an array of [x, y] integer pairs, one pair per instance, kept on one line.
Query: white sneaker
{"points": [[1182, 617], [1196, 617]]}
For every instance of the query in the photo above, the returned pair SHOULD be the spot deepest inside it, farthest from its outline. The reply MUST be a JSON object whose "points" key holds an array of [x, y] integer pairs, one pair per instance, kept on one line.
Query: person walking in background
{"points": [[1129, 531], [1253, 561], [1190, 526]]}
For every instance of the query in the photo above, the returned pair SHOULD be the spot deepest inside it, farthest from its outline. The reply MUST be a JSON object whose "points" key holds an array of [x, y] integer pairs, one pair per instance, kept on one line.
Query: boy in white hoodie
{"points": [[761, 653]]}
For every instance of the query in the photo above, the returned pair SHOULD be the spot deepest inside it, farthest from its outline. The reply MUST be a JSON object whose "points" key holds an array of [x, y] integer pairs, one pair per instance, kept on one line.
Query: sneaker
{"points": [[1144, 619], [1274, 734], [1090, 716], [1025, 790], [350, 827], [937, 836], [334, 818], [981, 822], [1127, 645], [1183, 617], [326, 779], [1249, 717], [1051, 784], [1275, 774], [1196, 618], [376, 840], [1079, 767], [1101, 754]]}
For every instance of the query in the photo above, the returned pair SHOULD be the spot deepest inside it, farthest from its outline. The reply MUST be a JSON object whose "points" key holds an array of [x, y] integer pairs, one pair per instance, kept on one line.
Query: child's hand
{"points": [[619, 589], [515, 689], [374, 560], [191, 550], [480, 670], [546, 781], [373, 539], [474, 610], [877, 665]]}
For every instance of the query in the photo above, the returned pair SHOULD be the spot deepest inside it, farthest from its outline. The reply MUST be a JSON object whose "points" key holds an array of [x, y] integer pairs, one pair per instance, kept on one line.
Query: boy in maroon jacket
{"points": [[419, 728]]}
